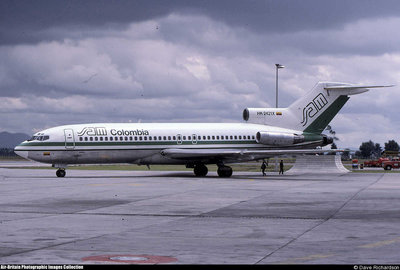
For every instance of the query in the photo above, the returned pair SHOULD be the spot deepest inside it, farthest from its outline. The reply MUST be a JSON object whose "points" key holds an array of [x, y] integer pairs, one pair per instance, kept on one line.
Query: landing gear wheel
{"points": [[200, 170], [224, 171], [60, 173]]}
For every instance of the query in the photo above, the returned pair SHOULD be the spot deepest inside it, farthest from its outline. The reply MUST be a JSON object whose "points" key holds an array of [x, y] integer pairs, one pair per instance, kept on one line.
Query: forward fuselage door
{"points": [[69, 139]]}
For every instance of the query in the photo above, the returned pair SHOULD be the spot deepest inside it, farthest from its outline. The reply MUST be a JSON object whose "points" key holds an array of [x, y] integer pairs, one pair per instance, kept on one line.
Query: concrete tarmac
{"points": [[97, 217]]}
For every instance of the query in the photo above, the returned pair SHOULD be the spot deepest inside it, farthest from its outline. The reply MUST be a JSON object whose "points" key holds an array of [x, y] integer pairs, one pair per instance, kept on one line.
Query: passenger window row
{"points": [[169, 138]]}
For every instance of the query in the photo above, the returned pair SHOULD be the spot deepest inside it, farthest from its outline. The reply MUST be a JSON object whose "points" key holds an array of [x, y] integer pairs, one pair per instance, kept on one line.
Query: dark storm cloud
{"points": [[24, 21]]}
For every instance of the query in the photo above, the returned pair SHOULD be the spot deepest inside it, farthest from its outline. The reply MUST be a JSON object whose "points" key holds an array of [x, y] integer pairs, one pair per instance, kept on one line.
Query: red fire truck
{"points": [[375, 163], [391, 164]]}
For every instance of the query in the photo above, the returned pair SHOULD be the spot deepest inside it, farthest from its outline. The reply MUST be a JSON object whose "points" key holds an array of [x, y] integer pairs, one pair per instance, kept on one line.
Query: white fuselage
{"points": [[141, 143]]}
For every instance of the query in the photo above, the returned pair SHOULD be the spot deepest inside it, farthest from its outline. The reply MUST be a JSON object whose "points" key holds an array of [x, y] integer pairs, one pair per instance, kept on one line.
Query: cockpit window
{"points": [[33, 138], [39, 138]]}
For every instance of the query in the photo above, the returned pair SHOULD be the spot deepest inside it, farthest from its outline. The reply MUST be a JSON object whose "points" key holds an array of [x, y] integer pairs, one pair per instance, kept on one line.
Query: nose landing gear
{"points": [[60, 173], [61, 169]]}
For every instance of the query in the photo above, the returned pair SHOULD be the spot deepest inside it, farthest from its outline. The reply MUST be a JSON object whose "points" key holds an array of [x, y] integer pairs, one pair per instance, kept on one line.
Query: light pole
{"points": [[278, 66]]}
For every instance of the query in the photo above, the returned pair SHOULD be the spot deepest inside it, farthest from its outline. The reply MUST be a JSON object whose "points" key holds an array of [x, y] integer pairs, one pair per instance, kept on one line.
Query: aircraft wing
{"points": [[234, 154]]}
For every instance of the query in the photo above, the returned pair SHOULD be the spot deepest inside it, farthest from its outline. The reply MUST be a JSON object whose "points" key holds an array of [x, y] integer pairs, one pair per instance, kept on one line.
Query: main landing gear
{"points": [[224, 171], [202, 170], [60, 173]]}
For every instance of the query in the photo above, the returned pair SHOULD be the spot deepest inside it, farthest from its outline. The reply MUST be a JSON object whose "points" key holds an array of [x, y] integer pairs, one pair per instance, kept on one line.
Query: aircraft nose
{"points": [[20, 152]]}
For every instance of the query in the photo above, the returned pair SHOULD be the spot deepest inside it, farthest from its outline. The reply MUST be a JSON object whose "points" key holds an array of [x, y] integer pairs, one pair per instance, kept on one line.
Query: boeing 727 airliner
{"points": [[266, 132]]}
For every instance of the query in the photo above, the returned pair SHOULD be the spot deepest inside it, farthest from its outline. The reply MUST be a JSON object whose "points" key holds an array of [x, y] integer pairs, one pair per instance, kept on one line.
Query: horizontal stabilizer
{"points": [[350, 87]]}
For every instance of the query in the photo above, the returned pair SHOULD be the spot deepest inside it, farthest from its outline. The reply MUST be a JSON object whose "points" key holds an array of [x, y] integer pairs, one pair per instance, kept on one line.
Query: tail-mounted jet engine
{"points": [[277, 138], [280, 138]]}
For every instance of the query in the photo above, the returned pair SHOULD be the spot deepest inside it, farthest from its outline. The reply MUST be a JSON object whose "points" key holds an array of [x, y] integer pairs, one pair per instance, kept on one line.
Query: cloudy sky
{"points": [[66, 62]]}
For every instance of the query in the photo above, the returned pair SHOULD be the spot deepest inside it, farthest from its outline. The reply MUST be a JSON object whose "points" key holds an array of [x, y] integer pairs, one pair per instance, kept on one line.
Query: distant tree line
{"points": [[368, 150], [374, 150]]}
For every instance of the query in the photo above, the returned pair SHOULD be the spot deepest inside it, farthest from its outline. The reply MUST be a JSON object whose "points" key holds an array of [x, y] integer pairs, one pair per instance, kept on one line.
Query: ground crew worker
{"points": [[263, 167], [281, 167]]}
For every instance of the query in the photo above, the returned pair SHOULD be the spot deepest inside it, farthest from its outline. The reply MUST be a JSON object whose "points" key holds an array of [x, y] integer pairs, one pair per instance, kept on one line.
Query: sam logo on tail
{"points": [[313, 108]]}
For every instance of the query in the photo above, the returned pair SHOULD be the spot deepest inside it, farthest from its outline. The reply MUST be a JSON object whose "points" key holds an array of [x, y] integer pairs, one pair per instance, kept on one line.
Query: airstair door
{"points": [[69, 139]]}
